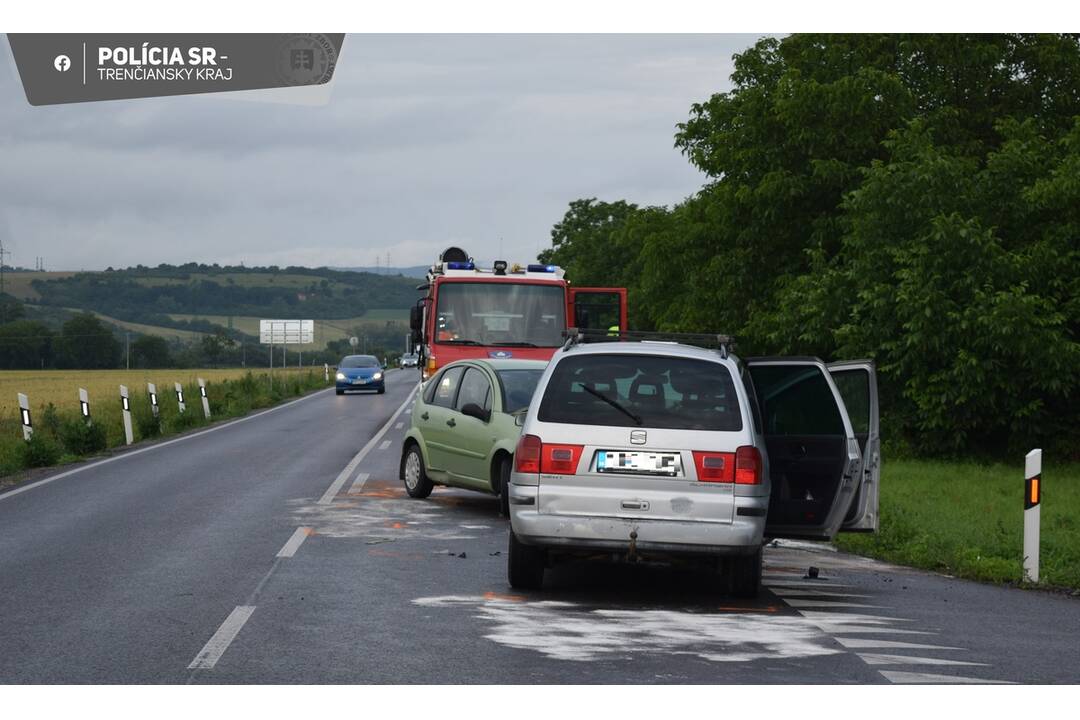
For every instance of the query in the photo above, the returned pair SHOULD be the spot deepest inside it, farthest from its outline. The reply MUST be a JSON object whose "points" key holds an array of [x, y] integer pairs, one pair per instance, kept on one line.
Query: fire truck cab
{"points": [[505, 311]]}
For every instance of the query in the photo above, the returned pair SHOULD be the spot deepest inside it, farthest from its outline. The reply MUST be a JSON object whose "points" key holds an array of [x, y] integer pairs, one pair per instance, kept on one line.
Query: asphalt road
{"points": [[283, 549]]}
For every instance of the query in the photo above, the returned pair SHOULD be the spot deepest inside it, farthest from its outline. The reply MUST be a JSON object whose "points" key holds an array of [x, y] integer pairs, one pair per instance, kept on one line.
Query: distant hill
{"points": [[416, 271], [185, 297]]}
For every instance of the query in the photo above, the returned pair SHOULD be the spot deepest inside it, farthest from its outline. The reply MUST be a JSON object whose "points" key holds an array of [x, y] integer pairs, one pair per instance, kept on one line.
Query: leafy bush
{"points": [[146, 424], [82, 438], [40, 451]]}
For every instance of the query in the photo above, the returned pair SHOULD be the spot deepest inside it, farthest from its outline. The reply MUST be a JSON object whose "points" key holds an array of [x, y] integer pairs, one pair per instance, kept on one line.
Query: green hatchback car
{"points": [[464, 426]]}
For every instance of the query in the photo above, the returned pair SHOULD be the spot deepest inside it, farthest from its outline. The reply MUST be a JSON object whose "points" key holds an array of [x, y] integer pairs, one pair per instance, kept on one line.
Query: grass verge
{"points": [[60, 434], [966, 519]]}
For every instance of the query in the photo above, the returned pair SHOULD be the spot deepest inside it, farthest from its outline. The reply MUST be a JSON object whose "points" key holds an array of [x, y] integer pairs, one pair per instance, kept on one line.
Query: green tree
{"points": [[11, 308], [25, 345], [150, 351], [87, 343], [214, 345]]}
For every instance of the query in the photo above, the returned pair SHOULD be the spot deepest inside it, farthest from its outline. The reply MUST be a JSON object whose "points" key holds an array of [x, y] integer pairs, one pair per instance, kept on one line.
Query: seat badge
{"points": [[637, 437]]}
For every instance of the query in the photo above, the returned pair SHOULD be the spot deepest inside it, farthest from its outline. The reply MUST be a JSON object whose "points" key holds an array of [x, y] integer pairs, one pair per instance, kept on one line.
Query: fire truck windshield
{"points": [[500, 313]]}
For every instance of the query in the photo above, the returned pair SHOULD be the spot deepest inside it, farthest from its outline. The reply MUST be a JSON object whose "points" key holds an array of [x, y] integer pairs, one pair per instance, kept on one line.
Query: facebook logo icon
{"points": [[62, 63]]}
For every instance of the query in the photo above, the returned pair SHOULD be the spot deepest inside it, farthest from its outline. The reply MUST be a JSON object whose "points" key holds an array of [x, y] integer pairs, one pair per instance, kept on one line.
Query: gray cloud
{"points": [[427, 141]]}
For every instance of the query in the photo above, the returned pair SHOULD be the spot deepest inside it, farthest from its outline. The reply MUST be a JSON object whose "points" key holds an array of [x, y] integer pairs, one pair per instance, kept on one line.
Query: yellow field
{"points": [[18, 284], [61, 387]]}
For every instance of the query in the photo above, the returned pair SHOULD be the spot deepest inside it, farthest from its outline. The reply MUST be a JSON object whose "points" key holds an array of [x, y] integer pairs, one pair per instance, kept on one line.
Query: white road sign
{"points": [[286, 332]]}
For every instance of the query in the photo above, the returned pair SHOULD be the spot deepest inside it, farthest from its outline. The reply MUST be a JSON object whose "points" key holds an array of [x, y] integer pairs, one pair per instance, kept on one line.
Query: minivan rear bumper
{"points": [[670, 537]]}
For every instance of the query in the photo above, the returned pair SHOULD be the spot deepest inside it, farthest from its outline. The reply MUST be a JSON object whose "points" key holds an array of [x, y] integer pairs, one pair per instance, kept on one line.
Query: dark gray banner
{"points": [[70, 68]]}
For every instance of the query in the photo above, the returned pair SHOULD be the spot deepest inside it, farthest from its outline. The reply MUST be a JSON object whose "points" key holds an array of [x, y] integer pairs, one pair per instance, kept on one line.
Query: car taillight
{"points": [[527, 455], [747, 466], [715, 467], [560, 459]]}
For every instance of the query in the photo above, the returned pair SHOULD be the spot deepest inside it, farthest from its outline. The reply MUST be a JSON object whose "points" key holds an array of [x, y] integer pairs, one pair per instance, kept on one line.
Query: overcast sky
{"points": [[427, 141]]}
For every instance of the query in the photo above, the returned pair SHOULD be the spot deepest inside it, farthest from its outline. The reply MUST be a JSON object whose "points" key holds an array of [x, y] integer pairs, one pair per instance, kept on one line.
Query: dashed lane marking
{"points": [[293, 543], [384, 445], [358, 483], [399, 426], [217, 645], [335, 487]]}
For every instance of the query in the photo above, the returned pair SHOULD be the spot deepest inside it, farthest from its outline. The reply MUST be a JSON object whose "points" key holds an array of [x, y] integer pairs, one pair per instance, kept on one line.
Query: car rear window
{"points": [[662, 392], [518, 387]]}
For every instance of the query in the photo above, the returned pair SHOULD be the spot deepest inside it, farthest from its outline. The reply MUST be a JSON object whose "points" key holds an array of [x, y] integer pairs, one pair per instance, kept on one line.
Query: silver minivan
{"points": [[657, 450]]}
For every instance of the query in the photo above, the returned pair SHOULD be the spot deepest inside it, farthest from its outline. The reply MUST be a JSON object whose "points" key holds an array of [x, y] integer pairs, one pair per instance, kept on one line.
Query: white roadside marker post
{"points": [[205, 400], [24, 412], [152, 389], [125, 405], [84, 406], [326, 371], [180, 398], [1032, 502]]}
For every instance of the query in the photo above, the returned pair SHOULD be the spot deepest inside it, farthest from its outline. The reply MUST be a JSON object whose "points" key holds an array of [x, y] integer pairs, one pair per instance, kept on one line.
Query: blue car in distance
{"points": [[359, 372]]}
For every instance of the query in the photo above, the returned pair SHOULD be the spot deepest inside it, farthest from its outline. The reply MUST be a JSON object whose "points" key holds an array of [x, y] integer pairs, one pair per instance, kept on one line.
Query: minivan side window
{"points": [[446, 387], [476, 389]]}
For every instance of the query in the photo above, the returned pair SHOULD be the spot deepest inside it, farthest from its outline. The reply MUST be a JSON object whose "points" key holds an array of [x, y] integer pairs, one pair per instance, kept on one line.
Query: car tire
{"points": [[340, 392], [417, 483], [525, 565], [504, 487], [746, 575], [382, 390]]}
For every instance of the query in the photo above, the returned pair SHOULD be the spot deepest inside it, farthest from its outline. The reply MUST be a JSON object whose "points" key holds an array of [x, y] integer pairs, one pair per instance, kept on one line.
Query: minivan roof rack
{"points": [[713, 341]]}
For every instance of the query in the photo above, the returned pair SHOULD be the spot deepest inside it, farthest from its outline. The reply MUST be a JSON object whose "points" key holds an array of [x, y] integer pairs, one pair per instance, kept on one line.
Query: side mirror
{"points": [[519, 417], [474, 410], [416, 318]]}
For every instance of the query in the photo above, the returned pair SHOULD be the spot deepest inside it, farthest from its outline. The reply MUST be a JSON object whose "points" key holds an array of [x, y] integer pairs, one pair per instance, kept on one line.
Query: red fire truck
{"points": [[505, 311]]}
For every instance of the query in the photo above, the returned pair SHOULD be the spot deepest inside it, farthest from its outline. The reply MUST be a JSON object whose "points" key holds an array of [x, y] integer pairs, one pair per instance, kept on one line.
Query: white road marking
{"points": [[785, 593], [808, 585], [335, 487], [385, 444], [876, 659], [358, 483], [861, 643], [217, 645], [158, 446], [293, 544], [798, 603], [895, 676], [849, 629], [399, 426]]}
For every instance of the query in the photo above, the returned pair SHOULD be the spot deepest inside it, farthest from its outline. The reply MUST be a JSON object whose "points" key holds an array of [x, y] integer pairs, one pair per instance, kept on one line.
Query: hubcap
{"points": [[412, 470]]}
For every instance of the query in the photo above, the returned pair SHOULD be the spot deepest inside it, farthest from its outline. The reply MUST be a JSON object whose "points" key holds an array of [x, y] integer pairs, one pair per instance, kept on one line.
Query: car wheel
{"points": [[382, 390], [746, 575], [525, 565], [504, 487], [340, 392], [417, 483]]}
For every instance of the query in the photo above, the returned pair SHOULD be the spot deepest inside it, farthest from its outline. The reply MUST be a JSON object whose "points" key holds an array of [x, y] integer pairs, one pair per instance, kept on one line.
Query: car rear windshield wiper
{"points": [[458, 341], [636, 418]]}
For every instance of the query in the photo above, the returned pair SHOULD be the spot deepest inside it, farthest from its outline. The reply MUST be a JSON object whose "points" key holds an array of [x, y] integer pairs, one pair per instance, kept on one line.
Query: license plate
{"points": [[640, 463], [359, 381]]}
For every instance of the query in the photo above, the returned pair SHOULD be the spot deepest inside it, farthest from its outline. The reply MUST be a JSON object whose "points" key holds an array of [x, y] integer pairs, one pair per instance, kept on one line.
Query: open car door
{"points": [[597, 308], [814, 458], [857, 382]]}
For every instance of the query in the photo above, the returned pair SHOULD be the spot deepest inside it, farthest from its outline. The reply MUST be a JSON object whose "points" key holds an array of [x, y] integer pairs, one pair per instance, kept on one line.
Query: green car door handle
{"points": [[451, 422], [425, 416]]}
